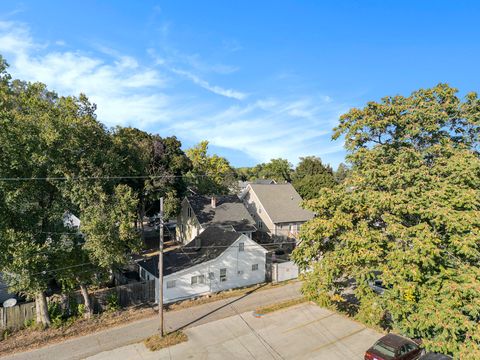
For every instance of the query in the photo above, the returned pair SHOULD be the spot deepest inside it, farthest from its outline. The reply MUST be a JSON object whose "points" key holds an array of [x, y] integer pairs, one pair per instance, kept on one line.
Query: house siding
{"points": [[232, 259], [255, 208], [187, 227]]}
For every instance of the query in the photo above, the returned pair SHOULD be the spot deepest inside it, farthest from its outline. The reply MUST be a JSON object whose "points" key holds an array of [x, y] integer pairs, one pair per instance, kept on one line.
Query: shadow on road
{"points": [[219, 308]]}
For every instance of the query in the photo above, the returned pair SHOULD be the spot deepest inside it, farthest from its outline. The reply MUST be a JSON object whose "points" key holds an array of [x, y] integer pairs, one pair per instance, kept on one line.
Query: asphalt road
{"points": [[83, 347], [301, 332]]}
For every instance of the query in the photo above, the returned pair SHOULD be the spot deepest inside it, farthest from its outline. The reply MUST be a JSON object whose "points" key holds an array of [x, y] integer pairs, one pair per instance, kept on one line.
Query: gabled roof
{"points": [[228, 212], [281, 202], [209, 245]]}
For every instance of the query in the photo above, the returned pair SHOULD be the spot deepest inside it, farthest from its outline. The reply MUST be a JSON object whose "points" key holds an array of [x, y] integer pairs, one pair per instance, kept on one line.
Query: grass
{"points": [[280, 305], [155, 342]]}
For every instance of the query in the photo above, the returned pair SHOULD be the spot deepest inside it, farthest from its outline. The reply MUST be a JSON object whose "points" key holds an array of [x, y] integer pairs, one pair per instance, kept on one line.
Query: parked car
{"points": [[435, 356], [393, 347]]}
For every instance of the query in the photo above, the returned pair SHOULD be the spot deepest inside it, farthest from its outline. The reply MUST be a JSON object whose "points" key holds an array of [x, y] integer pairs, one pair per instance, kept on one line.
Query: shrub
{"points": [[112, 302]]}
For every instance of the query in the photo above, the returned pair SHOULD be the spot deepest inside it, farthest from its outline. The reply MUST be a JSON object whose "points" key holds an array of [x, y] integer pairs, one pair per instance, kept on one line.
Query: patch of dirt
{"points": [[155, 342]]}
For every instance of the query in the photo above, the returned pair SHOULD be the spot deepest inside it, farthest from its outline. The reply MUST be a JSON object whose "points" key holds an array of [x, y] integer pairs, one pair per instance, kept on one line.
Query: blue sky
{"points": [[258, 79]]}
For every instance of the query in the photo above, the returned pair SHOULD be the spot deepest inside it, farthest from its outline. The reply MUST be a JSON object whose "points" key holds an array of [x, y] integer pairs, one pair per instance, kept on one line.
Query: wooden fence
{"points": [[126, 295], [15, 317]]}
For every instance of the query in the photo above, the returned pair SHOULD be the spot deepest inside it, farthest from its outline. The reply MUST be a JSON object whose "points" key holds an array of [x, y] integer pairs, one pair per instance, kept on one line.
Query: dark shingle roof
{"points": [[210, 244], [228, 212], [281, 202]]}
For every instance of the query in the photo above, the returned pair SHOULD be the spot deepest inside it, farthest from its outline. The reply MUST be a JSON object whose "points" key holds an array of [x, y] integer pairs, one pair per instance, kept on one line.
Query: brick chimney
{"points": [[214, 202]]}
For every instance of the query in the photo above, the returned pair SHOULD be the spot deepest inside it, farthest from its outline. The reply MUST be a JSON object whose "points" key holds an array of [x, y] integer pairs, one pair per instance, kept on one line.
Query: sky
{"points": [[257, 79]]}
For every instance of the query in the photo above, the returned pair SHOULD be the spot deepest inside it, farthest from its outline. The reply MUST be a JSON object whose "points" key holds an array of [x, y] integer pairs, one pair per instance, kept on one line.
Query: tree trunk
{"points": [[86, 300], [41, 306]]}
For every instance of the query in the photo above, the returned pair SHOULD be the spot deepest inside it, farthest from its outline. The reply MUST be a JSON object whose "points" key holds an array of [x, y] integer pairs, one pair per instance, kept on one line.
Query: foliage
{"points": [[409, 212], [341, 173], [310, 176], [113, 302], [47, 137], [158, 165], [211, 174], [56, 314]]}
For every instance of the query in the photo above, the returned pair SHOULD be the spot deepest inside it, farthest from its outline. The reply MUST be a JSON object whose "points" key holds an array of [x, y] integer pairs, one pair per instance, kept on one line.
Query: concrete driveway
{"points": [[304, 331]]}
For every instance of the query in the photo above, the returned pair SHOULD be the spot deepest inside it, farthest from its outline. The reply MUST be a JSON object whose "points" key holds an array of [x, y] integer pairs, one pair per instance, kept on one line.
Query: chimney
{"points": [[214, 202]]}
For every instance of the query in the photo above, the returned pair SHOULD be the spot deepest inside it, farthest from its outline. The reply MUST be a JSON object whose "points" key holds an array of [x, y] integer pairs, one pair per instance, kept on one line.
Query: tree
{"points": [[211, 174], [341, 173], [407, 213], [310, 176], [156, 167], [279, 170], [61, 156]]}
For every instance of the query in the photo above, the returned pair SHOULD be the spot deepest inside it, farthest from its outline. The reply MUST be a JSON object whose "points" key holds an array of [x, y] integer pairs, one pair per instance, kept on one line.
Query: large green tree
{"points": [[310, 176], [408, 213], [155, 167], [211, 174], [53, 154]]}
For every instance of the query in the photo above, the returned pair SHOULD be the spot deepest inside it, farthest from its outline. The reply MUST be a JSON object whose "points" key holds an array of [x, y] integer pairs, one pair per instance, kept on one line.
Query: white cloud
{"points": [[229, 93], [266, 129], [125, 92], [128, 92]]}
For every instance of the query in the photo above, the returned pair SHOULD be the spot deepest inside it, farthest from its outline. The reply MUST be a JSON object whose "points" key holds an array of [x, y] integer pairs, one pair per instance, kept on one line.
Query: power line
{"points": [[115, 177]]}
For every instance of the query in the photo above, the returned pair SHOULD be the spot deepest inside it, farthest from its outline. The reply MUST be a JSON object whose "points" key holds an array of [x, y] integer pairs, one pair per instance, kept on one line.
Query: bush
{"points": [[56, 314], [112, 302], [80, 309]]}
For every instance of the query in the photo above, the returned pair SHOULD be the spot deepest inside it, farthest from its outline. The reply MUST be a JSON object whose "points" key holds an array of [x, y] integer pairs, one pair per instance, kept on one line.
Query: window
{"points": [[240, 272], [241, 247], [260, 224], [254, 267], [211, 276], [170, 284], [189, 212], [223, 274], [199, 279]]}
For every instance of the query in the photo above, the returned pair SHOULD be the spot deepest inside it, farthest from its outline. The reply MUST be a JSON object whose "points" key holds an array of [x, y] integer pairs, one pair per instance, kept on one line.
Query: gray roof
{"points": [[229, 212], [281, 202], [209, 245]]}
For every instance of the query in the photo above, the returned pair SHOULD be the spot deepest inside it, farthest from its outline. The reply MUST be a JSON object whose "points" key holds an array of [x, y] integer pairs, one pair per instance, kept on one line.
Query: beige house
{"points": [[276, 209], [200, 212]]}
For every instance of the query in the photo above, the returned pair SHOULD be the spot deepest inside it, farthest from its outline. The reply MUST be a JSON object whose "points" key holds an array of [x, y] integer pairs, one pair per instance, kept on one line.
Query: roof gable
{"points": [[209, 245], [281, 202], [229, 212]]}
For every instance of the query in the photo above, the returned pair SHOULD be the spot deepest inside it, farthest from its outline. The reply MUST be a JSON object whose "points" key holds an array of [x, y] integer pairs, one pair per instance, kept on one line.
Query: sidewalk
{"points": [[89, 345]]}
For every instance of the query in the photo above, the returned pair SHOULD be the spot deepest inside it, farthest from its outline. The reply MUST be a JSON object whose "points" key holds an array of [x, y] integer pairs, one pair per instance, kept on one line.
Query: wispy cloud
{"points": [[129, 91], [124, 91], [229, 93]]}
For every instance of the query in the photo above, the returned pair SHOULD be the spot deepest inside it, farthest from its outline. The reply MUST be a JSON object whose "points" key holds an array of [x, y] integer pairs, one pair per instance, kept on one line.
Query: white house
{"points": [[216, 260], [200, 212], [276, 209]]}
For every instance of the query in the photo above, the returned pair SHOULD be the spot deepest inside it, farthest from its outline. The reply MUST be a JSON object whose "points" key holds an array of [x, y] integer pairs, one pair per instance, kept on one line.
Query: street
{"points": [[304, 331]]}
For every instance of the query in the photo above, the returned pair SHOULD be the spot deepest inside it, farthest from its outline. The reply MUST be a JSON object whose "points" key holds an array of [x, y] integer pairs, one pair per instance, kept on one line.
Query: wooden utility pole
{"points": [[160, 271]]}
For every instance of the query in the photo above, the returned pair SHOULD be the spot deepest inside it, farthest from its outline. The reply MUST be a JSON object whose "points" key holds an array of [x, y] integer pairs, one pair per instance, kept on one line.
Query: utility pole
{"points": [[160, 271]]}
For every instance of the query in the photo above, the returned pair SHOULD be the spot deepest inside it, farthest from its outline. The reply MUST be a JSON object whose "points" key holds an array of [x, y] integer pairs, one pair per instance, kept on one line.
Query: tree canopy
{"points": [[310, 176], [210, 174], [408, 214]]}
